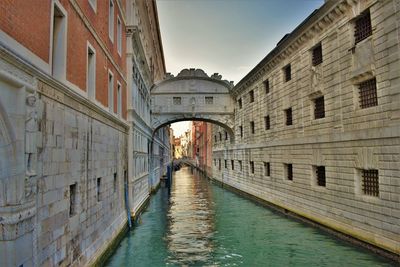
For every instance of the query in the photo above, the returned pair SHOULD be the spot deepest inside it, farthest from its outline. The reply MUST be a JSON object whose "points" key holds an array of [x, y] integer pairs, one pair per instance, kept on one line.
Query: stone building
{"points": [[67, 125], [317, 123], [202, 145]]}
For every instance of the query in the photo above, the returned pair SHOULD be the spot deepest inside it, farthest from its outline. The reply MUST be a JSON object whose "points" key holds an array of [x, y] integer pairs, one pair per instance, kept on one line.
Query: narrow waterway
{"points": [[201, 224]]}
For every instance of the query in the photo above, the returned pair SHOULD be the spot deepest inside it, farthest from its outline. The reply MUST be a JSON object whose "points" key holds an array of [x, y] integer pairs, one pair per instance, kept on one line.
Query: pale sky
{"points": [[226, 36]]}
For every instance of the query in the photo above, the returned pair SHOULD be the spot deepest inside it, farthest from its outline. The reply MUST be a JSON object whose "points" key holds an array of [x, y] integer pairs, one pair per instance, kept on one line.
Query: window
{"points": [[363, 27], [226, 164], [209, 100], [119, 36], [91, 73], [252, 127], [226, 135], [119, 99], [59, 44], [267, 123], [219, 164], [115, 182], [320, 175], [215, 138], [220, 136], [252, 167], [267, 169], [177, 100], [240, 165], [72, 199], [240, 103], [111, 20], [266, 86], [317, 55], [289, 119], [319, 108], [241, 131], [215, 162], [289, 172], [251, 94], [98, 189], [110, 92], [288, 72], [93, 4], [368, 94], [370, 182], [233, 165]]}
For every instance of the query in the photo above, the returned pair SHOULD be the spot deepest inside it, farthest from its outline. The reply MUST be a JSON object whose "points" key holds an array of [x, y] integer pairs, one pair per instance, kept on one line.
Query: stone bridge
{"points": [[193, 95]]}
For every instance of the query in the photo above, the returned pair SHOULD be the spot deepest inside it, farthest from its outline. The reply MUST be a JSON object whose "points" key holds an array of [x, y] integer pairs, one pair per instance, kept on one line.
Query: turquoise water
{"points": [[201, 224]]}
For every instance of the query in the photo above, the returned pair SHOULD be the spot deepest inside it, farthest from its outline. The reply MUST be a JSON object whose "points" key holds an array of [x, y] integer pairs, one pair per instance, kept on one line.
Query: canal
{"points": [[201, 224]]}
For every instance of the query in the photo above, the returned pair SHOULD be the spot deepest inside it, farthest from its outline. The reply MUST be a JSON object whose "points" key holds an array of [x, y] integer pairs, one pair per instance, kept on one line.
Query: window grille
{"points": [[240, 103], [317, 55], [321, 178], [177, 100], [289, 118], [368, 94], [288, 73], [267, 123], [370, 182], [251, 94], [289, 172], [319, 108], [267, 169], [252, 167], [266, 86], [252, 127], [209, 100], [363, 27]]}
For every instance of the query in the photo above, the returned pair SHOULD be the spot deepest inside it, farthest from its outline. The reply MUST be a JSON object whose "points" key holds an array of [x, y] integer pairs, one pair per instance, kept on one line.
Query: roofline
{"points": [[159, 34]]}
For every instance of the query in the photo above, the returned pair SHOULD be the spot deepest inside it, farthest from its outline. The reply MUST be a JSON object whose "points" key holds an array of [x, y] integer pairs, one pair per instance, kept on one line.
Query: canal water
{"points": [[200, 224]]}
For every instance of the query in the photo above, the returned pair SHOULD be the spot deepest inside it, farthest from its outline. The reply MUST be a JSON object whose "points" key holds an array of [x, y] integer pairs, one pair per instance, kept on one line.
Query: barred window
{"points": [[177, 100], [240, 103], [266, 86], [215, 138], [251, 94], [319, 108], [220, 136], [99, 189], [289, 118], [209, 100], [233, 164], [267, 123], [289, 171], [320, 174], [363, 27], [115, 182], [267, 169], [215, 162], [288, 73], [241, 131], [240, 165], [370, 182], [252, 167], [219, 164], [226, 135], [368, 94], [226, 164], [72, 199], [317, 55], [252, 127]]}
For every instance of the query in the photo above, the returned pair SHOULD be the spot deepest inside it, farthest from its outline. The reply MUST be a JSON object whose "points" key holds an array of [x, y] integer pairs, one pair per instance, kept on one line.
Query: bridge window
{"points": [[251, 94], [233, 164], [177, 100], [317, 55], [320, 175], [266, 86], [226, 164], [99, 189], [240, 103], [289, 171], [252, 167], [363, 27], [319, 108], [209, 100], [241, 131], [370, 182], [267, 169], [252, 127], [267, 123], [72, 199], [289, 118], [368, 94], [287, 70]]}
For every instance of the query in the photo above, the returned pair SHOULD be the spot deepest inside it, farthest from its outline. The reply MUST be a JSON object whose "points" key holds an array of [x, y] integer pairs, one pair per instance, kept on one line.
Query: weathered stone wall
{"points": [[346, 141]]}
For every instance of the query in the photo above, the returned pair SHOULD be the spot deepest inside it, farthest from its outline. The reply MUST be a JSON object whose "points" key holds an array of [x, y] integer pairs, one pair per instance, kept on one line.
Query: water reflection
{"points": [[190, 216]]}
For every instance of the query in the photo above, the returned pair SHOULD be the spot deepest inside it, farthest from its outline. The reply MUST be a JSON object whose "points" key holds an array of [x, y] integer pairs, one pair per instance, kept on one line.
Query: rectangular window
{"points": [[363, 27], [119, 36], [240, 165], [266, 86], [215, 138], [119, 99], [317, 55], [267, 123], [220, 136], [289, 118], [111, 20], [72, 199], [209, 100], [252, 130], [233, 164], [241, 131], [252, 167], [59, 44], [226, 164], [288, 72], [215, 162], [240, 103], [98, 189], [368, 94], [226, 135], [219, 164], [370, 182], [251, 94], [289, 172], [267, 169], [111, 92], [91, 73], [115, 182], [177, 100], [320, 174], [319, 108]]}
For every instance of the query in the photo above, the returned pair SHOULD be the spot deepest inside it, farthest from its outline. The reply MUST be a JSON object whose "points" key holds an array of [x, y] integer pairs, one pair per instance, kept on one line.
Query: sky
{"points": [[226, 36]]}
